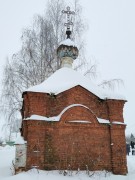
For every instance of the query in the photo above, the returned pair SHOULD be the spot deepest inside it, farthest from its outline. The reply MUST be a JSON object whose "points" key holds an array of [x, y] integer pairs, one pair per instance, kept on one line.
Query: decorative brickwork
{"points": [[78, 140]]}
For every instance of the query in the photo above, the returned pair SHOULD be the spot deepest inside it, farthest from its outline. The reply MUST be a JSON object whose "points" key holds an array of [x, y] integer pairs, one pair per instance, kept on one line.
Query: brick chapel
{"points": [[70, 123]]}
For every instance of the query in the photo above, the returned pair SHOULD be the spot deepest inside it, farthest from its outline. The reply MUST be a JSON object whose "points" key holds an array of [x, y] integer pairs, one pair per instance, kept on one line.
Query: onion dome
{"points": [[67, 52], [67, 48]]}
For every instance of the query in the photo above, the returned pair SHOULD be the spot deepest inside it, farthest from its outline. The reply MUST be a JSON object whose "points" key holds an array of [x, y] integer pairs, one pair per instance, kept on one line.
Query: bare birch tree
{"points": [[37, 59]]}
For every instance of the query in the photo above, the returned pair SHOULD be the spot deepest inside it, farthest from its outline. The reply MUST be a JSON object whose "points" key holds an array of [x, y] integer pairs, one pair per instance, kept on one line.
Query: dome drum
{"points": [[67, 51]]}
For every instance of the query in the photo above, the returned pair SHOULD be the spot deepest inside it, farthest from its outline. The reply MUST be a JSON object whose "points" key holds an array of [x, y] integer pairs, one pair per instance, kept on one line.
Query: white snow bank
{"points": [[6, 147], [66, 78], [6, 157]]}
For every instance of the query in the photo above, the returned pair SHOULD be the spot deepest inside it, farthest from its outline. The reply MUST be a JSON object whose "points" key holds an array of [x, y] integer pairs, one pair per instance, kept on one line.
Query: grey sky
{"points": [[110, 39]]}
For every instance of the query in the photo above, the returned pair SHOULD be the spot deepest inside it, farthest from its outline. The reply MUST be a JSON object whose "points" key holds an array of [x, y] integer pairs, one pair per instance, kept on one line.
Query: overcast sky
{"points": [[110, 39]]}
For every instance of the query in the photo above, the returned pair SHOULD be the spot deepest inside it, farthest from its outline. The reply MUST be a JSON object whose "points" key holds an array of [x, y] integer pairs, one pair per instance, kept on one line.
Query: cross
{"points": [[68, 12]]}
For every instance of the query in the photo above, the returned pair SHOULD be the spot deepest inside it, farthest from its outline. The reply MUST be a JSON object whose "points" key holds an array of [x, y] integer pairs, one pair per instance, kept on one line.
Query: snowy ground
{"points": [[7, 155]]}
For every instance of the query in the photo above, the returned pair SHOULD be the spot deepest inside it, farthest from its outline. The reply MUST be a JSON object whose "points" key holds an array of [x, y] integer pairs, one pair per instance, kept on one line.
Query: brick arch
{"points": [[78, 144], [78, 113]]}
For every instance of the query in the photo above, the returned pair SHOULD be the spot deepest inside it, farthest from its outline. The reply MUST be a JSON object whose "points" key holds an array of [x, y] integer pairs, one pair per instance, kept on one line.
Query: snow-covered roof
{"points": [[66, 78], [68, 42]]}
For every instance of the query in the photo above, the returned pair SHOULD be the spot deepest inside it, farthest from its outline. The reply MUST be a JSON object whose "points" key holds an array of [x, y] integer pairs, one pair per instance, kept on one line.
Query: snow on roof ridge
{"points": [[54, 118], [57, 118], [66, 78], [104, 121], [117, 122]]}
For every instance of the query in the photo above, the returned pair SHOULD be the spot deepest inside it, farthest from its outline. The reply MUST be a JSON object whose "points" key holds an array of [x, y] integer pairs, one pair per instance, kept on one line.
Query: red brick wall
{"points": [[118, 149], [115, 110], [63, 143]]}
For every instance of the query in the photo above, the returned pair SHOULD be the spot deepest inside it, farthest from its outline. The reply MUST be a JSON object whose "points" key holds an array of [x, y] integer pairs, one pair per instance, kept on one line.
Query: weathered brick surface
{"points": [[71, 145]]}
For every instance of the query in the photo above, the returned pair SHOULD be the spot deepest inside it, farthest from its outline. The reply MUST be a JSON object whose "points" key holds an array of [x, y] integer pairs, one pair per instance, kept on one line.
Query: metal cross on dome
{"points": [[69, 22]]}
